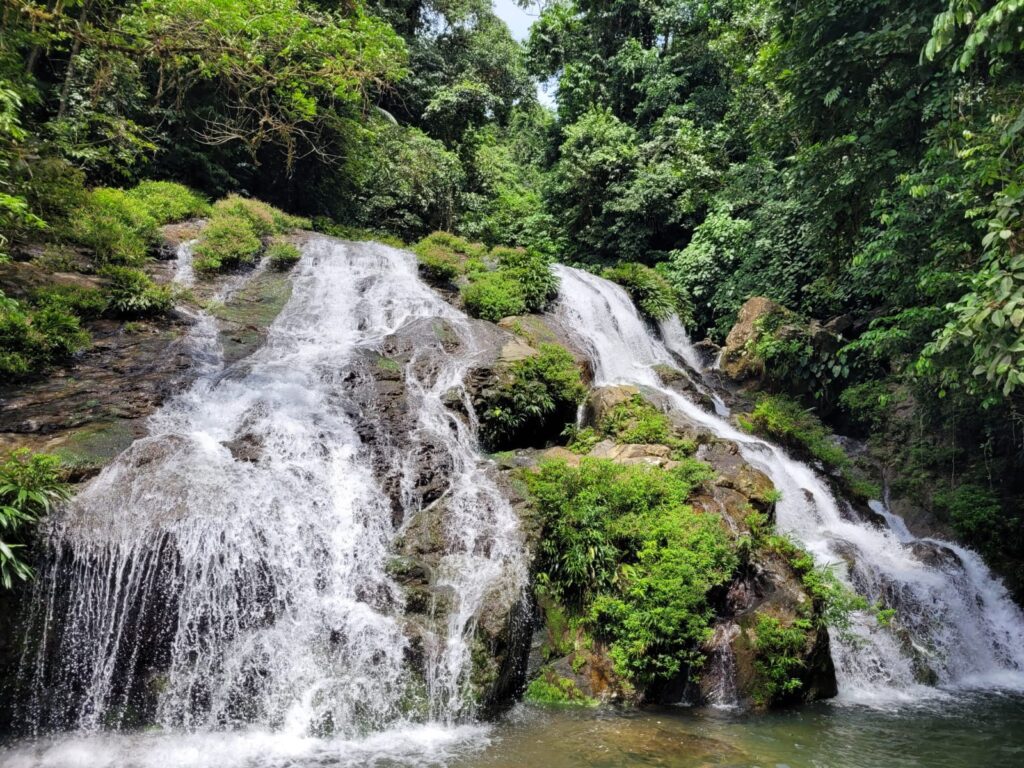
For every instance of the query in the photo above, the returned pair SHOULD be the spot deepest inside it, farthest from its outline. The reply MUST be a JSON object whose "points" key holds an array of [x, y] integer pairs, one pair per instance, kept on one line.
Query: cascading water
{"points": [[952, 615], [229, 571]]}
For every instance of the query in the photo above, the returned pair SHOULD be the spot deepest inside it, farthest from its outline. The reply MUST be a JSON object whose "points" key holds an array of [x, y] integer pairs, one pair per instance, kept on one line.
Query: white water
{"points": [[960, 618], [248, 603]]}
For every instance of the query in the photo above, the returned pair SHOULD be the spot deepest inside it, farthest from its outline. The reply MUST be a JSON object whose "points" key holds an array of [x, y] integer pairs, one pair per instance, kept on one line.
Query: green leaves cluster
{"points": [[533, 401], [30, 484], [623, 550]]}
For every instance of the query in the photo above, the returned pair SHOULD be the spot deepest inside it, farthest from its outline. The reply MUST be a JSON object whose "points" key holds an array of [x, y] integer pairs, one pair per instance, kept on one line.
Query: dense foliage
{"points": [[626, 554], [30, 484]]}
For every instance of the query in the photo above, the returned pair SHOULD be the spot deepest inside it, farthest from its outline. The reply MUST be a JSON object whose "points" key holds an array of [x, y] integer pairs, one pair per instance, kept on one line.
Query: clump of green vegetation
{"points": [[975, 514], [283, 255], [234, 236], [653, 295], [531, 271], [263, 218], [494, 283], [33, 338], [581, 441], [132, 293], [783, 419], [30, 484], [117, 227], [627, 556], [493, 295], [535, 399], [87, 303], [346, 232], [168, 202], [443, 256], [779, 658], [551, 690], [637, 421], [227, 241]]}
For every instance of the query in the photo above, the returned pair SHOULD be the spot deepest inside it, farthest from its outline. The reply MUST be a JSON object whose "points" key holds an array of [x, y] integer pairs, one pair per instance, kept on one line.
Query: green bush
{"points": [[168, 202], [133, 294], [783, 419], [29, 486], [31, 339], [653, 295], [536, 398], [283, 255], [637, 421], [117, 227], [87, 303], [779, 658], [227, 241], [494, 295], [868, 404], [265, 219], [622, 549], [551, 690], [974, 512], [532, 271], [443, 256]]}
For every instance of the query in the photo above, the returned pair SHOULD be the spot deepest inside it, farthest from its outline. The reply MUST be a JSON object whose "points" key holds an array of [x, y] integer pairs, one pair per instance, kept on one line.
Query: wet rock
{"points": [[738, 361], [247, 447]]}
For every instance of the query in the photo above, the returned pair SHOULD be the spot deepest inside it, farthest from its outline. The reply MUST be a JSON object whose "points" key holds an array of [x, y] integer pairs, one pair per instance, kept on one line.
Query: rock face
{"points": [[738, 361], [767, 584]]}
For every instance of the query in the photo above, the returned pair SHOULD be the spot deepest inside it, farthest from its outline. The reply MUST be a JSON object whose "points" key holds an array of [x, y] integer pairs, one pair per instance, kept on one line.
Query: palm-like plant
{"points": [[30, 485]]}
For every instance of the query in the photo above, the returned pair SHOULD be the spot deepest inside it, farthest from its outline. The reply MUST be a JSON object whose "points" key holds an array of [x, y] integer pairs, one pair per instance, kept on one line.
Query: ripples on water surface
{"points": [[963, 731]]}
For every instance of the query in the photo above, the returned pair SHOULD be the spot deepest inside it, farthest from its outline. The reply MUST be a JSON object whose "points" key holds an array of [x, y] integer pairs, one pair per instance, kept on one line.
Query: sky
{"points": [[519, 21]]}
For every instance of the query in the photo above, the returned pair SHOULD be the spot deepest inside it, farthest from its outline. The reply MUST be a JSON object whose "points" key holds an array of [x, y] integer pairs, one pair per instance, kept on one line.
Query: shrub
{"points": [[265, 219], [780, 418], [550, 689], [867, 404], [637, 421], [31, 339], [168, 202], [283, 255], [87, 303], [494, 295], [653, 295], [532, 271], [443, 256], [133, 294], [779, 650], [117, 227], [536, 398], [29, 486], [974, 512], [624, 551], [226, 242]]}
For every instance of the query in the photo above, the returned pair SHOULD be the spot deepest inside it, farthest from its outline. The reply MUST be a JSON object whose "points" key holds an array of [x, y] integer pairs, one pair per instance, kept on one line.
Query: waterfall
{"points": [[952, 616], [229, 572]]}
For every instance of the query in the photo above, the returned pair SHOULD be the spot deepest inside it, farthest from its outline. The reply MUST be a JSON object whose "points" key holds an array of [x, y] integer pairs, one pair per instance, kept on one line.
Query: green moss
{"points": [[627, 556], [388, 365]]}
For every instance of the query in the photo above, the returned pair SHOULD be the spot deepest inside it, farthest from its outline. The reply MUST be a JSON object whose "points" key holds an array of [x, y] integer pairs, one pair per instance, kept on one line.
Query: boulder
{"points": [[738, 361]]}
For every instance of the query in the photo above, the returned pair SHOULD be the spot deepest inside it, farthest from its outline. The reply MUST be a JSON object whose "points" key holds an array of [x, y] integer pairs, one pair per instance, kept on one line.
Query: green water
{"points": [[965, 731], [969, 731]]}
